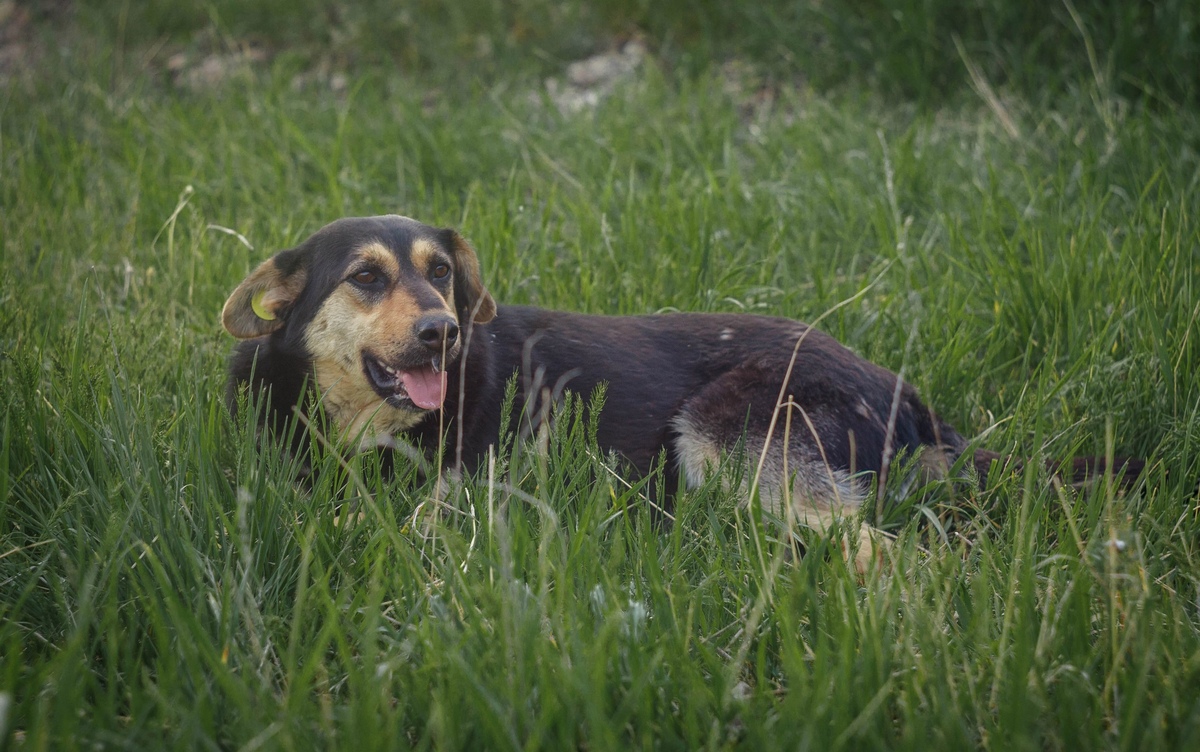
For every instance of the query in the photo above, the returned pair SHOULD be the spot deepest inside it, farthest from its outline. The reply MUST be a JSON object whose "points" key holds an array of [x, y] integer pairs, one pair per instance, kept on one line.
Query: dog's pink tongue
{"points": [[425, 387]]}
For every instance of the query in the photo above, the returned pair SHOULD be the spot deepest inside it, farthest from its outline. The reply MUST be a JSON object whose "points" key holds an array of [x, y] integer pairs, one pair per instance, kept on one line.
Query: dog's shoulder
{"points": [[271, 373]]}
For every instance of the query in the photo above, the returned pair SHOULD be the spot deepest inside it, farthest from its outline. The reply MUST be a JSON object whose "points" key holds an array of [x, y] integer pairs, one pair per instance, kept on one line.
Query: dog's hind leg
{"points": [[786, 464]]}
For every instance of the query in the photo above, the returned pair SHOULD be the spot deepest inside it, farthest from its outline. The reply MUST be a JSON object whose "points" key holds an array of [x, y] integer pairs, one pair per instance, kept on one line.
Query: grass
{"points": [[165, 585]]}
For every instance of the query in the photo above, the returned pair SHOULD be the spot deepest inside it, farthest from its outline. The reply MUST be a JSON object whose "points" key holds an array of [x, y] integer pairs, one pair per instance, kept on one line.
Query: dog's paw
{"points": [[870, 549]]}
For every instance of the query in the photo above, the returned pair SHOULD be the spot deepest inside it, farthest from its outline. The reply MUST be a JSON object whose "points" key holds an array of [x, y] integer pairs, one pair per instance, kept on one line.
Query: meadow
{"points": [[1010, 221]]}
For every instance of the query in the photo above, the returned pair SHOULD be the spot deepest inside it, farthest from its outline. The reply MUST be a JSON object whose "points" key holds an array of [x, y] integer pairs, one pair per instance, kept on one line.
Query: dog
{"points": [[389, 321]]}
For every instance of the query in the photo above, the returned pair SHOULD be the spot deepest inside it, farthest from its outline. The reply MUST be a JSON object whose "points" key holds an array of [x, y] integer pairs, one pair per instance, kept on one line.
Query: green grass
{"points": [[165, 585]]}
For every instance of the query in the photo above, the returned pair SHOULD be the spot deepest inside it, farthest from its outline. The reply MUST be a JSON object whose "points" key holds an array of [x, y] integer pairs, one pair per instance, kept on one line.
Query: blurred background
{"points": [[915, 49]]}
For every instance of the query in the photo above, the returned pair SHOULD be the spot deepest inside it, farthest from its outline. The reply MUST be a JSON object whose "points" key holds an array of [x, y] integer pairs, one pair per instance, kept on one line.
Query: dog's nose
{"points": [[437, 332]]}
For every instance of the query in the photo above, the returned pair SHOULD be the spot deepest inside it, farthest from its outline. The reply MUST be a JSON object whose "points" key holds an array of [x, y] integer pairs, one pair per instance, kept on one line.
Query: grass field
{"points": [[1029, 258]]}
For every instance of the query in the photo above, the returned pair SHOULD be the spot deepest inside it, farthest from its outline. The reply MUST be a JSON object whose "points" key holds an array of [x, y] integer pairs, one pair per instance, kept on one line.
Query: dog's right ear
{"points": [[259, 304]]}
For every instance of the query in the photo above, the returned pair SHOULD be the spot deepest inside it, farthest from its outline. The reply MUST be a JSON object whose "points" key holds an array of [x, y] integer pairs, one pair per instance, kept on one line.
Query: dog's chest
{"points": [[356, 409]]}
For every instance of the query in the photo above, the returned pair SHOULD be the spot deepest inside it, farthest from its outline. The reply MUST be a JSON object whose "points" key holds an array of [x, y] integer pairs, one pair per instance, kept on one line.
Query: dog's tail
{"points": [[1080, 472]]}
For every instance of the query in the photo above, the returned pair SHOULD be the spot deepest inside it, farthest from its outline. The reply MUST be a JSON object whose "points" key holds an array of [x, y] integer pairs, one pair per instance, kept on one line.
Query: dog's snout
{"points": [[437, 332]]}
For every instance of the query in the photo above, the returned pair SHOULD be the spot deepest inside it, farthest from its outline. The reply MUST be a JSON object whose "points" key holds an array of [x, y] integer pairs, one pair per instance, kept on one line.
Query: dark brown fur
{"points": [[690, 386]]}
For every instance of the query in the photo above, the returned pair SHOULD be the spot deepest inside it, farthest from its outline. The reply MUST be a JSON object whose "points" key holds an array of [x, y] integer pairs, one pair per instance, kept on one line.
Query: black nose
{"points": [[437, 332]]}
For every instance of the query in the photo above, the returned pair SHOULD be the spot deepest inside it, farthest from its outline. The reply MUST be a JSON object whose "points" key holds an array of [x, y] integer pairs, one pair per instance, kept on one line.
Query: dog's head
{"points": [[377, 304]]}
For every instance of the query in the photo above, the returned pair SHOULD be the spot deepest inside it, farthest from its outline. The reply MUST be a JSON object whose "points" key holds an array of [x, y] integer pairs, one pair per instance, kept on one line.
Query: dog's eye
{"points": [[440, 271], [365, 277]]}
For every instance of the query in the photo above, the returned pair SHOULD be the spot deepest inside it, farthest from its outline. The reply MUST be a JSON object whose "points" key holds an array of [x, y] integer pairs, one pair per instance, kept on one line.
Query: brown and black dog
{"points": [[390, 320]]}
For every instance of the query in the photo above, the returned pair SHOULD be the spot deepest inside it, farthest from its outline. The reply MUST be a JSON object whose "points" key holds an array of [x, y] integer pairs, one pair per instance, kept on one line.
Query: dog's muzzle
{"points": [[421, 386]]}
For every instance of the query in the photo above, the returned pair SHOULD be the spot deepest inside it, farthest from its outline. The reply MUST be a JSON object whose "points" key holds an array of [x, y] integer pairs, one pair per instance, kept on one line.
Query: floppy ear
{"points": [[468, 282], [258, 305]]}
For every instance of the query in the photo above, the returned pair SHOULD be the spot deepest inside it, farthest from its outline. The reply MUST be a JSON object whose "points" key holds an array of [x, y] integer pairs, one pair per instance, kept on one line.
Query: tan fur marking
{"points": [[336, 338], [395, 318], [342, 329], [935, 462], [355, 408], [698, 456], [422, 254], [377, 253], [811, 483], [820, 496]]}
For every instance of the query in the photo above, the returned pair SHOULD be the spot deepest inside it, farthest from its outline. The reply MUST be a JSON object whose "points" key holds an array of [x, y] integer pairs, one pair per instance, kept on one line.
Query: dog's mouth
{"points": [[422, 386]]}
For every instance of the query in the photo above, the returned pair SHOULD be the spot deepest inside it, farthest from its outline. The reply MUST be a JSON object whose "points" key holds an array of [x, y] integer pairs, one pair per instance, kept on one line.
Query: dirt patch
{"points": [[590, 80], [200, 72], [16, 38]]}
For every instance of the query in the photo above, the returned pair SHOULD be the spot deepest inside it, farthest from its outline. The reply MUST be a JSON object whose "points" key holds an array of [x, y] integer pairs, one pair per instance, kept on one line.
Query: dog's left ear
{"points": [[468, 283], [259, 304]]}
